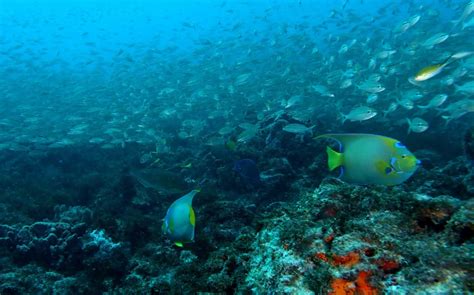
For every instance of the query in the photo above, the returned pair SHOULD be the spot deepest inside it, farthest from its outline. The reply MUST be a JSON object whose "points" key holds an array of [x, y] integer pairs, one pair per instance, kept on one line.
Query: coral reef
{"points": [[292, 235], [64, 245]]}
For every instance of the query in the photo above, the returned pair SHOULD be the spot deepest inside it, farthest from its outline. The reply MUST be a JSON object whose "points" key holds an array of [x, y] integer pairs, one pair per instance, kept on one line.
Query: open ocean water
{"points": [[237, 147]]}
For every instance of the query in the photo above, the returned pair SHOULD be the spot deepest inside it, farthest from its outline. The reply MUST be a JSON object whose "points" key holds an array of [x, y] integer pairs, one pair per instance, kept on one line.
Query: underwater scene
{"points": [[237, 147]]}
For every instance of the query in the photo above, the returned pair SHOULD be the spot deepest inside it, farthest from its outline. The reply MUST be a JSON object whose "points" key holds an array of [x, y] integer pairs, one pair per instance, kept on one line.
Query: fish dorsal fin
{"points": [[345, 138], [188, 198]]}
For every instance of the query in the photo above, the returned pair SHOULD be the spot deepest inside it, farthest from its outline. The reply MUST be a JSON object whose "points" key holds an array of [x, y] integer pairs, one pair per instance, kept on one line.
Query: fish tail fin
{"points": [[409, 126], [412, 81], [457, 88], [335, 159], [455, 23], [448, 119], [311, 130], [462, 54], [343, 118], [454, 57]]}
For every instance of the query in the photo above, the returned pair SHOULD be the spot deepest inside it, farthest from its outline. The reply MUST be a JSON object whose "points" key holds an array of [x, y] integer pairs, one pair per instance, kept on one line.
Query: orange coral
{"points": [[359, 287], [342, 287], [322, 256], [363, 287], [349, 260], [388, 266], [329, 239]]}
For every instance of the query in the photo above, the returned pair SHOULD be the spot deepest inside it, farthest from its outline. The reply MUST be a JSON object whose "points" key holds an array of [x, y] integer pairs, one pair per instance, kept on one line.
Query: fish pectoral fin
{"points": [[383, 167], [179, 244], [335, 159]]}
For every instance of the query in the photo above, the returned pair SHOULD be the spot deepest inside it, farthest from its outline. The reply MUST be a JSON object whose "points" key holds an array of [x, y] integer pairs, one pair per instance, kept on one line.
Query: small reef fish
{"points": [[371, 98], [391, 108], [292, 101], [371, 86], [468, 24], [468, 10], [406, 103], [246, 135], [226, 130], [434, 40], [322, 90], [297, 128], [180, 220], [467, 87], [417, 125], [371, 159], [359, 114], [458, 109], [435, 102], [430, 71]]}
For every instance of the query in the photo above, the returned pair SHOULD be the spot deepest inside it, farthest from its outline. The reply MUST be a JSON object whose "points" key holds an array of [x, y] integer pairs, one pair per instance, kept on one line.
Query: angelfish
{"points": [[370, 159], [180, 220], [433, 70]]}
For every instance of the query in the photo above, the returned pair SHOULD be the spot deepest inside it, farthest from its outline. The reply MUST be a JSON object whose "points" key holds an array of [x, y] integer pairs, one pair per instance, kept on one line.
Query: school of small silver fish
{"points": [[406, 66]]}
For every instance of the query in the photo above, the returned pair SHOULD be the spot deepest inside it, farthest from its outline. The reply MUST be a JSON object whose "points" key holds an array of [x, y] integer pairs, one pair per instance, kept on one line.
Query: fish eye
{"points": [[404, 156]]}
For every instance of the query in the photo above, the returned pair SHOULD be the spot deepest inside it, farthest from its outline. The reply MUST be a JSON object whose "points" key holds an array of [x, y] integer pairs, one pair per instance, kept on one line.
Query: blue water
{"points": [[78, 32], [112, 110]]}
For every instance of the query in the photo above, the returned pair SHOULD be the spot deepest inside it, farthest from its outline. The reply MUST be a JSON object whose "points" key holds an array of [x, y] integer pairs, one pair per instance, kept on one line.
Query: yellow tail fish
{"points": [[371, 159], [433, 70]]}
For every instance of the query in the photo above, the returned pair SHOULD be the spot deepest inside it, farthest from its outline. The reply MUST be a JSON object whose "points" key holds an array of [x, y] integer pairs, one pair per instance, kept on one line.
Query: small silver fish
{"points": [[226, 130], [406, 103], [373, 97], [297, 128], [346, 84], [242, 79], [371, 86], [247, 135], [417, 125], [435, 101], [434, 40], [386, 53], [468, 24], [294, 100], [322, 90], [391, 108], [412, 94], [359, 114], [467, 87]]}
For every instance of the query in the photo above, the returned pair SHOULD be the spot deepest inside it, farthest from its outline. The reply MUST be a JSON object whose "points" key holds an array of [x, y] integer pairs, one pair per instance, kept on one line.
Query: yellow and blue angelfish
{"points": [[371, 159], [180, 220]]}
